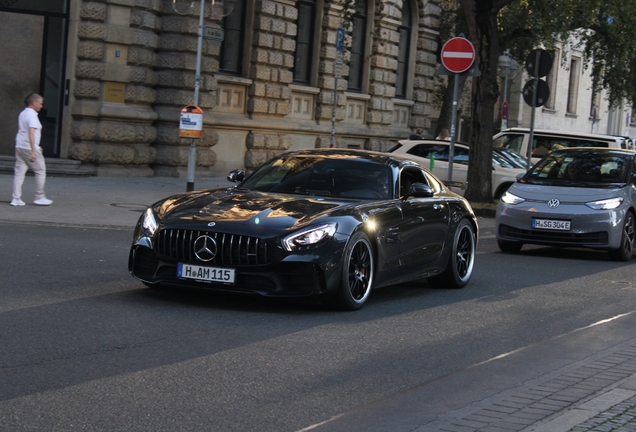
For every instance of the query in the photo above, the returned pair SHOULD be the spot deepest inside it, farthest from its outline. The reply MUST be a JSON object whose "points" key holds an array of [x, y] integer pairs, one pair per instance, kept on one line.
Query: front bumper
{"points": [[597, 229], [311, 272]]}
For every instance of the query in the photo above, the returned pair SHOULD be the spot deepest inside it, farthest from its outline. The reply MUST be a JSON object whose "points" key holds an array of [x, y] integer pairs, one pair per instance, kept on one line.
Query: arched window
{"points": [[405, 31], [231, 60], [358, 44], [304, 40]]}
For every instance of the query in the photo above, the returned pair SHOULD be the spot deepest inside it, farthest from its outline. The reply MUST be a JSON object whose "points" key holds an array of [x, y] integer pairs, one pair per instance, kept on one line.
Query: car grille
{"points": [[234, 250], [553, 237]]}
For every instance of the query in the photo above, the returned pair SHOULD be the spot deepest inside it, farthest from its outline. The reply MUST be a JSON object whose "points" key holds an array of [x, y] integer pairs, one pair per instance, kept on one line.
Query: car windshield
{"points": [[509, 159], [325, 176], [581, 168]]}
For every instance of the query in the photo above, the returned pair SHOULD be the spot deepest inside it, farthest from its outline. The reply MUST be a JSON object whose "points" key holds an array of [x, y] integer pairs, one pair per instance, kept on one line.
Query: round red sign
{"points": [[458, 55]]}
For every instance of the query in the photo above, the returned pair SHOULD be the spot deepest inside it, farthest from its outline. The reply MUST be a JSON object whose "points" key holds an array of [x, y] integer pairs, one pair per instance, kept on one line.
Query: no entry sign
{"points": [[458, 55]]}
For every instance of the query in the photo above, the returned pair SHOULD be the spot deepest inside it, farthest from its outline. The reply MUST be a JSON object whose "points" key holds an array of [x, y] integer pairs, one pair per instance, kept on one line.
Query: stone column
{"points": [[426, 64], [271, 67], [112, 114], [327, 69], [382, 76], [176, 67]]}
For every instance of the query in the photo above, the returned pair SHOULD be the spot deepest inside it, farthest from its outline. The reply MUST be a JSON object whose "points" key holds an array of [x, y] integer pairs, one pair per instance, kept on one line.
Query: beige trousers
{"points": [[22, 164]]}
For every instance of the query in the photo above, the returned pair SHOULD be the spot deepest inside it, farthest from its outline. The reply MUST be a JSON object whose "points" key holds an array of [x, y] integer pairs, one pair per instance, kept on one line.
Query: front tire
{"points": [[509, 246], [625, 252], [357, 273], [462, 258]]}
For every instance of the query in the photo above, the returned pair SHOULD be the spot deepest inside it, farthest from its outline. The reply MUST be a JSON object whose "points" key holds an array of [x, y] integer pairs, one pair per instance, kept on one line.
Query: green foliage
{"points": [[603, 29]]}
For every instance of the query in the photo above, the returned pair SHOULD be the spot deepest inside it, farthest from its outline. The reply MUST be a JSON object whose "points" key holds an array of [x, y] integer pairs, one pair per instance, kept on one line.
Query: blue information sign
{"points": [[340, 34]]}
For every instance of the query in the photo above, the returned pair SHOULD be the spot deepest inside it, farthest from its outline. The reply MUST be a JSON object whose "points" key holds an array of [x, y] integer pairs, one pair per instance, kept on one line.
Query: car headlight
{"points": [[313, 236], [148, 222], [511, 199], [607, 204]]}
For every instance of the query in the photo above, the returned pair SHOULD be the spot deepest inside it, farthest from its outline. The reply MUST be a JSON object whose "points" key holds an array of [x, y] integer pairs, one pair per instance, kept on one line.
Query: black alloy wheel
{"points": [[625, 252], [461, 260], [357, 273]]}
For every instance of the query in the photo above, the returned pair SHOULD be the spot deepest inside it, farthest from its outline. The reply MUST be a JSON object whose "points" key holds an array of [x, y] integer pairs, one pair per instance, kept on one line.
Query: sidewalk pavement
{"points": [[581, 381]]}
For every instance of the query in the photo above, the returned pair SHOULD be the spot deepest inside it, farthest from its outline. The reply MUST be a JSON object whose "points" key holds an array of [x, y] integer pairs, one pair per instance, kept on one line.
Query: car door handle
{"points": [[438, 207]]}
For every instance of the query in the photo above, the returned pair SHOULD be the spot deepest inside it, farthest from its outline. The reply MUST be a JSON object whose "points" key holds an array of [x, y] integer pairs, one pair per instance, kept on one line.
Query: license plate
{"points": [[551, 224], [206, 274]]}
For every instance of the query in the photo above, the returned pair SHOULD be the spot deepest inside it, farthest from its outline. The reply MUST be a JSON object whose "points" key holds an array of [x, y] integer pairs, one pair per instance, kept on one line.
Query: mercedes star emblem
{"points": [[553, 203], [205, 248]]}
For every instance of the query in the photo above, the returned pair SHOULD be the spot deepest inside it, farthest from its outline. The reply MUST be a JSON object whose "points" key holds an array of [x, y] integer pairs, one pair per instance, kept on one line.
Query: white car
{"points": [[545, 141], [506, 164]]}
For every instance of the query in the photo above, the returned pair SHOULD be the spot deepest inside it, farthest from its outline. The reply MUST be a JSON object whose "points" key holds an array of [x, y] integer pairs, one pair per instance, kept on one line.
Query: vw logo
{"points": [[205, 248], [553, 203]]}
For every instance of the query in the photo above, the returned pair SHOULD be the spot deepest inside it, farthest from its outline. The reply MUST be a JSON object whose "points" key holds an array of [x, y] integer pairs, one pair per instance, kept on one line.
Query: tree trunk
{"points": [[481, 17]]}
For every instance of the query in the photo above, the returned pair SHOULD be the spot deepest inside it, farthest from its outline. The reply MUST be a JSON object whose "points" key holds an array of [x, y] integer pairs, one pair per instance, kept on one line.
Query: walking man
{"points": [[28, 153]]}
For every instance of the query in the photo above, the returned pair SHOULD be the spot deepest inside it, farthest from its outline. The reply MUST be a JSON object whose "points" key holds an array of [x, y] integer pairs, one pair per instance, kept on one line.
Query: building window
{"points": [[231, 60], [573, 85], [551, 80], [358, 44], [405, 31], [304, 41]]}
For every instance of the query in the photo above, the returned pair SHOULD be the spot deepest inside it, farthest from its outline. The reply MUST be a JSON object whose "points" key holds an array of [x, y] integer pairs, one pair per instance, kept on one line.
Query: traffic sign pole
{"points": [[534, 107], [340, 34], [458, 55]]}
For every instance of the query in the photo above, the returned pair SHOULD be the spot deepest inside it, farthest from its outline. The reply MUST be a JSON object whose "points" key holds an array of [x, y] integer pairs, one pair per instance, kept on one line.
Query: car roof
{"points": [[431, 141], [559, 133], [368, 155], [596, 150]]}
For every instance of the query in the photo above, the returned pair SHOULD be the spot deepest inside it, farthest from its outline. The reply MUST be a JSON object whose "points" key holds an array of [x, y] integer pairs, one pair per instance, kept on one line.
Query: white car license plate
{"points": [[551, 224], [207, 274]]}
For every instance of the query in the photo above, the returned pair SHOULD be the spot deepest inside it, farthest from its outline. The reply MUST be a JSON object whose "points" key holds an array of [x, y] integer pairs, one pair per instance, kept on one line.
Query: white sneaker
{"points": [[42, 201], [17, 202]]}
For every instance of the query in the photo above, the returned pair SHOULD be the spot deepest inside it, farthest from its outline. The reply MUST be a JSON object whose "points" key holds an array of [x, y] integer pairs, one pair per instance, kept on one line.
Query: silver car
{"points": [[580, 197]]}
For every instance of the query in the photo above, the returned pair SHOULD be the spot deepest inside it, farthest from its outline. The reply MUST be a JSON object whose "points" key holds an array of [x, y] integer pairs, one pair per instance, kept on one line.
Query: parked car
{"points": [[545, 141], [330, 223], [506, 164], [583, 197]]}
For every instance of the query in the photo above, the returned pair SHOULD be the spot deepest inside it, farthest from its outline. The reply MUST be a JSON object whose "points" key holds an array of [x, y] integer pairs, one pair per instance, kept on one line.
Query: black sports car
{"points": [[329, 223]]}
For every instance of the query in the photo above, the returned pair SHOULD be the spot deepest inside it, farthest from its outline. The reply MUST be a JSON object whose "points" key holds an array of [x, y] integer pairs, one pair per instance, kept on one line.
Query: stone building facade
{"points": [[268, 86]]}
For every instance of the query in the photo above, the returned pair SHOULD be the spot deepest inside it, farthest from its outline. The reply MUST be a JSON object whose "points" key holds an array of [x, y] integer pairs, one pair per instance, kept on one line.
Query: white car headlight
{"points": [[511, 199], [309, 237], [608, 204], [148, 222]]}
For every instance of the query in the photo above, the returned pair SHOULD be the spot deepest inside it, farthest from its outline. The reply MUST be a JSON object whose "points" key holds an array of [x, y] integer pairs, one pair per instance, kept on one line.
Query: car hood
{"points": [[563, 193], [236, 206]]}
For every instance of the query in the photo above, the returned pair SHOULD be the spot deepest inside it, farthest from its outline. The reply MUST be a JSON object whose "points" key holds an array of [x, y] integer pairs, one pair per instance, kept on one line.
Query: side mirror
{"points": [[421, 190], [520, 176], [236, 176]]}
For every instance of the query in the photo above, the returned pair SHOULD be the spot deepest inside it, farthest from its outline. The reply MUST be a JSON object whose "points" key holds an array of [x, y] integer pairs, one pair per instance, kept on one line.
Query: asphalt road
{"points": [[86, 347]]}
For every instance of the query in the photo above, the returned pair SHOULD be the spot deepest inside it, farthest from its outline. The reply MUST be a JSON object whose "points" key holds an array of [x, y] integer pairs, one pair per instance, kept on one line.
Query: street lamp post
{"points": [[220, 9], [506, 64], [192, 154]]}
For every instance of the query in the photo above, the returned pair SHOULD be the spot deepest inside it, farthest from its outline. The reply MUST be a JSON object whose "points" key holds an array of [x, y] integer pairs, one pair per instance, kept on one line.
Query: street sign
{"points": [[458, 55], [340, 35], [543, 67], [213, 33], [543, 92], [191, 122]]}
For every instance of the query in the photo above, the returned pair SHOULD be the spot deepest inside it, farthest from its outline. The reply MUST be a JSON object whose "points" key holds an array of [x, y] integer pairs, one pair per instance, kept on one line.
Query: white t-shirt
{"points": [[28, 119]]}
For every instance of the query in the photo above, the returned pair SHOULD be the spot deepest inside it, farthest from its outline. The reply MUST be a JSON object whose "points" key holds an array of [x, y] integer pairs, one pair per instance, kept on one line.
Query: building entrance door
{"points": [[32, 59]]}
